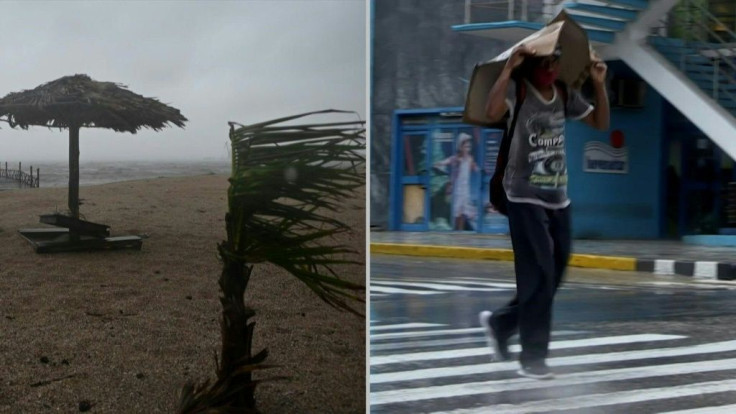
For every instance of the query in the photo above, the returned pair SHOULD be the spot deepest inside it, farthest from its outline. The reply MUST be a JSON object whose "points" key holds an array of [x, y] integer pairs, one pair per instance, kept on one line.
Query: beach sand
{"points": [[125, 330]]}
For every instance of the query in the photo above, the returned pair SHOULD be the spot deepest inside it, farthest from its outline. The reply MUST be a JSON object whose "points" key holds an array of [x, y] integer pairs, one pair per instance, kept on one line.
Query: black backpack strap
{"points": [[562, 91], [520, 96], [506, 142], [503, 152]]}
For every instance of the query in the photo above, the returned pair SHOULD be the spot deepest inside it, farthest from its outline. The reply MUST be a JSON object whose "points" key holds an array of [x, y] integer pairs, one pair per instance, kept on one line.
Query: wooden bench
{"points": [[76, 235]]}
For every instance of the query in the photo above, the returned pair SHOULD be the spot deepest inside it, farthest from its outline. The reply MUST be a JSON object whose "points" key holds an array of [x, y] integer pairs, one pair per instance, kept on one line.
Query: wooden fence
{"points": [[23, 178]]}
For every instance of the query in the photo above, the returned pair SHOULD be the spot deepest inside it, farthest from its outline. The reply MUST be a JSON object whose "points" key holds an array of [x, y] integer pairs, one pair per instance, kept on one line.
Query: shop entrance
{"points": [[699, 178]]}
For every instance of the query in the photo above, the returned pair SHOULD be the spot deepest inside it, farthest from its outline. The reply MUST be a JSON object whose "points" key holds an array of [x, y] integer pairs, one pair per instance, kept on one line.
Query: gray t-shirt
{"points": [[537, 168]]}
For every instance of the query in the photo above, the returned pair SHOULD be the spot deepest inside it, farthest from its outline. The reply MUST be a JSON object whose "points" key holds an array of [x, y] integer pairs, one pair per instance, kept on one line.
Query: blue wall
{"points": [[417, 61], [619, 206]]}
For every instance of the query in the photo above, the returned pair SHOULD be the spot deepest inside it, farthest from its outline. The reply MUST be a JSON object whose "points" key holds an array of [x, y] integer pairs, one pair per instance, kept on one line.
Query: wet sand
{"points": [[125, 330]]}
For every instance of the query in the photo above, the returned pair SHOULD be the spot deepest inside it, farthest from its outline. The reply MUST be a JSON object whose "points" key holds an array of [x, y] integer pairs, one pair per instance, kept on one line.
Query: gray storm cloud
{"points": [[243, 61]]}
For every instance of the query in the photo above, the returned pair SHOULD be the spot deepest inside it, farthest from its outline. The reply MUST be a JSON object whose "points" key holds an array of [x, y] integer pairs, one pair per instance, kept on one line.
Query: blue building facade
{"points": [[623, 198], [652, 175]]}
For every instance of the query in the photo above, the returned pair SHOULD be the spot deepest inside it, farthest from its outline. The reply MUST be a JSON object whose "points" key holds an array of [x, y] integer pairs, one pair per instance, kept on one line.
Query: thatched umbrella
{"points": [[78, 101]]}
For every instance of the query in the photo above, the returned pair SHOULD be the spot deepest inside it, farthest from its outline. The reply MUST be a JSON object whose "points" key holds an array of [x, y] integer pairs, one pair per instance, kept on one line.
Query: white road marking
{"points": [[598, 400], [383, 289], [417, 334], [437, 286], [448, 342], [461, 280], [707, 410], [471, 352], [518, 384], [404, 326], [462, 370]]}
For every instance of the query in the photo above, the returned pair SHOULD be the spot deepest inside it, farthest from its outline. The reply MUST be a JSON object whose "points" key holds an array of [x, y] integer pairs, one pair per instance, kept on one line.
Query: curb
{"points": [[476, 253], [696, 269]]}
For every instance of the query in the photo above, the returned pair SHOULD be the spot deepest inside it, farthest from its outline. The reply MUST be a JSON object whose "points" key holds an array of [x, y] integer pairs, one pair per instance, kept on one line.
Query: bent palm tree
{"points": [[286, 179]]}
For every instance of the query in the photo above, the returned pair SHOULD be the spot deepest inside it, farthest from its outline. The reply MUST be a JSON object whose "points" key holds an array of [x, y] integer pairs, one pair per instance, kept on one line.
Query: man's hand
{"points": [[518, 55], [600, 118], [496, 103], [598, 71]]}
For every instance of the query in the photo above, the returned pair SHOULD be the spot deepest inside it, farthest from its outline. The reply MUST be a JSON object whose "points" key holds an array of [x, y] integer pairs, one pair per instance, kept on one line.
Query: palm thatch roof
{"points": [[79, 101]]}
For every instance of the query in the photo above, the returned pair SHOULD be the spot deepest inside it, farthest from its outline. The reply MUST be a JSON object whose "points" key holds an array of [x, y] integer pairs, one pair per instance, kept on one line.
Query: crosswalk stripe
{"points": [[417, 334], [454, 281], [425, 344], [598, 400], [435, 332], [707, 410], [383, 289], [489, 284], [404, 326], [463, 370], [471, 352], [518, 384], [447, 342], [438, 286], [504, 285]]}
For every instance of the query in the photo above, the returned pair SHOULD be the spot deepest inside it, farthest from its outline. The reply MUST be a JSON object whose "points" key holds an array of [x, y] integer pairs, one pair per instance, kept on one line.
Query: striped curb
{"points": [[696, 269]]}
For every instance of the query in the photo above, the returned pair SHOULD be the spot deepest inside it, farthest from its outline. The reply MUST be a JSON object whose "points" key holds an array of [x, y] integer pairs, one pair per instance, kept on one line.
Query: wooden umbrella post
{"points": [[74, 171]]}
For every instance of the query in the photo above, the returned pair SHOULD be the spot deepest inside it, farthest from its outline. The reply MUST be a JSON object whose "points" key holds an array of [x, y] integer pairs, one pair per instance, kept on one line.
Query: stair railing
{"points": [[720, 48]]}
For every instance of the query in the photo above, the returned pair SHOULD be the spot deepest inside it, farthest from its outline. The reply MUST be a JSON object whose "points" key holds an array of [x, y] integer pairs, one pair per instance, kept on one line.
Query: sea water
{"points": [[56, 173]]}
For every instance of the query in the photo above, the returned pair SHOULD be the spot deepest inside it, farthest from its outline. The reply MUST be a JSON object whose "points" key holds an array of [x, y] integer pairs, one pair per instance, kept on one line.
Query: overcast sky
{"points": [[216, 61]]}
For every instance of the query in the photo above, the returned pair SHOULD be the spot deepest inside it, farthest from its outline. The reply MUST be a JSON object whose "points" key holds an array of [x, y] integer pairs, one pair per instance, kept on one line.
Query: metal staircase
{"points": [[680, 50], [696, 73], [706, 56], [602, 19], [705, 53]]}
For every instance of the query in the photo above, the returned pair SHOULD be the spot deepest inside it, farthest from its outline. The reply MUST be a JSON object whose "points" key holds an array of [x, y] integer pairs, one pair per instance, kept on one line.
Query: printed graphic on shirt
{"points": [[547, 156], [537, 168]]}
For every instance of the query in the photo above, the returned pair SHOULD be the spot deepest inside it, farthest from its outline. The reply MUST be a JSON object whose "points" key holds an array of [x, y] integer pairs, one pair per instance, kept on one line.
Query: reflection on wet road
{"points": [[622, 343]]}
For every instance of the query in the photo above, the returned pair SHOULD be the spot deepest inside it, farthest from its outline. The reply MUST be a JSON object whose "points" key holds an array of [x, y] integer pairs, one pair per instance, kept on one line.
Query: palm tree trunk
{"points": [[74, 171], [237, 333]]}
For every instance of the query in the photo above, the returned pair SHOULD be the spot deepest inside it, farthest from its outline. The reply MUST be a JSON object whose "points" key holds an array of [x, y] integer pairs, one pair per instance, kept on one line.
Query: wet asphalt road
{"points": [[623, 342]]}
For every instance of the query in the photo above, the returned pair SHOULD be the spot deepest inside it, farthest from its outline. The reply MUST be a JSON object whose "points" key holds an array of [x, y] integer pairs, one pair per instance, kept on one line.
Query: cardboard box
{"points": [[575, 62]]}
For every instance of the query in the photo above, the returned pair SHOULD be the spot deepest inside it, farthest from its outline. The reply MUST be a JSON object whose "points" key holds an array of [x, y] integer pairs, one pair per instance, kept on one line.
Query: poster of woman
{"points": [[461, 166]]}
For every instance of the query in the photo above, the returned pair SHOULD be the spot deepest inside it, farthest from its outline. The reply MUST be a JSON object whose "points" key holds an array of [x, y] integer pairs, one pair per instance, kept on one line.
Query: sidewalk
{"points": [[654, 256]]}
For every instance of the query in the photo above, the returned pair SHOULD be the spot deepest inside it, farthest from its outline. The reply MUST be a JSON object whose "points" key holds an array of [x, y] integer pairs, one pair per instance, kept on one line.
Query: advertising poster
{"points": [[455, 180]]}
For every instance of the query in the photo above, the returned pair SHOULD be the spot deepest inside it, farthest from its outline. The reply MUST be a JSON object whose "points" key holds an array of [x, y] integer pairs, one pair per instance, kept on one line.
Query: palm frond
{"points": [[287, 183]]}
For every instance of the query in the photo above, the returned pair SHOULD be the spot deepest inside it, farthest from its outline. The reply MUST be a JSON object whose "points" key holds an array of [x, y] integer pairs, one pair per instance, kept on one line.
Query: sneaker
{"points": [[537, 371], [500, 348]]}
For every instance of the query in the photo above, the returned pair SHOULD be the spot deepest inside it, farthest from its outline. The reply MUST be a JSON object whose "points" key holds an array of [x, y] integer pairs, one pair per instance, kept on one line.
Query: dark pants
{"points": [[541, 242]]}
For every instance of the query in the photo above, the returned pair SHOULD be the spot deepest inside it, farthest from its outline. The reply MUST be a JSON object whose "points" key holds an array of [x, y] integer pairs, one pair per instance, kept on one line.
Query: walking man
{"points": [[535, 183]]}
